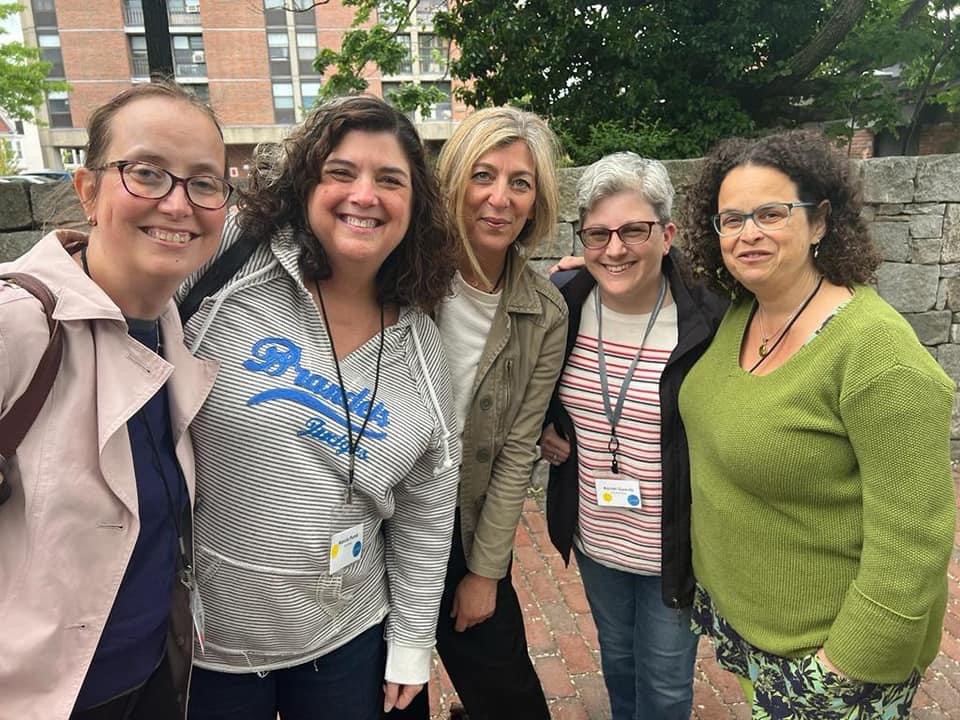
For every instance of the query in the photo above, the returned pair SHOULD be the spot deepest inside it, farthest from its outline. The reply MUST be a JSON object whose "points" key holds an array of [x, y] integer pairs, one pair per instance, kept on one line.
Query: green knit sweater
{"points": [[823, 503]]}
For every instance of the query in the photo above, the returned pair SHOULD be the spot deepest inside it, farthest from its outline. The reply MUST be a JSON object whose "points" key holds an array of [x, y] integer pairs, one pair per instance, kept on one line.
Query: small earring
{"points": [[816, 251], [91, 221]]}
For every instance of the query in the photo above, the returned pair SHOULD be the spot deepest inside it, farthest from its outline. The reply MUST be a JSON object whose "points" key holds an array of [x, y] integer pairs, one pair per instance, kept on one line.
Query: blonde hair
{"points": [[486, 130]]}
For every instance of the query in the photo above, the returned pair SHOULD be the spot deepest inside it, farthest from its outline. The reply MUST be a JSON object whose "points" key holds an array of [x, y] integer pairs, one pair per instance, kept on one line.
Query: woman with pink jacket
{"points": [[96, 562]]}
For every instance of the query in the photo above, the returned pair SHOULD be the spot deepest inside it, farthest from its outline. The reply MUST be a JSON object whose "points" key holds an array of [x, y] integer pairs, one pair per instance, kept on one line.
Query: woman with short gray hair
{"points": [[619, 491]]}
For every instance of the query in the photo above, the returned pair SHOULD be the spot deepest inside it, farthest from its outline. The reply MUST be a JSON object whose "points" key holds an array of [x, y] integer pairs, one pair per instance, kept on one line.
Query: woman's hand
{"points": [[567, 262], [553, 448], [398, 696], [474, 601], [825, 661]]}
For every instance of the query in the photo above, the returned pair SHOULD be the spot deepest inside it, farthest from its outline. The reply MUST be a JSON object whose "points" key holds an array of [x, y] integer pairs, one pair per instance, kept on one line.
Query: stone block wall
{"points": [[911, 203]]}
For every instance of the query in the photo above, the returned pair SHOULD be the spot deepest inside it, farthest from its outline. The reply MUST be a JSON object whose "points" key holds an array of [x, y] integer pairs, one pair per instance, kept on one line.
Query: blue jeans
{"points": [[647, 650], [345, 683]]}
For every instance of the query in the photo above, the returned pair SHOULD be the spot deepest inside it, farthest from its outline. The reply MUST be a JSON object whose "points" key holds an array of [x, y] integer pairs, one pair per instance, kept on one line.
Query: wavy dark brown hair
{"points": [[420, 270], [846, 256]]}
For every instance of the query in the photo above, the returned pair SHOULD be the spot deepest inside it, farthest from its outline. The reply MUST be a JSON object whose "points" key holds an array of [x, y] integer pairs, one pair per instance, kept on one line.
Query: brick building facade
{"points": [[252, 59]]}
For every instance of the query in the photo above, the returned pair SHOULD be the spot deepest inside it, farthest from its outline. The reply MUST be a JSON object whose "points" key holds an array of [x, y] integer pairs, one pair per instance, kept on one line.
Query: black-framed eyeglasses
{"points": [[634, 232], [771, 216], [152, 182]]}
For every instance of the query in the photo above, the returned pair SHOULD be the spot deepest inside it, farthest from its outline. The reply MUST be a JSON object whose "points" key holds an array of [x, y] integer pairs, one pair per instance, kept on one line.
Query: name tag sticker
{"points": [[617, 492], [346, 547]]}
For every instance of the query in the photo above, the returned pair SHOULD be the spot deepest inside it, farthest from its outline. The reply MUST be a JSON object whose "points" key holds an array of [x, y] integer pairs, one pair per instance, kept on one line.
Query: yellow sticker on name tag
{"points": [[346, 548]]}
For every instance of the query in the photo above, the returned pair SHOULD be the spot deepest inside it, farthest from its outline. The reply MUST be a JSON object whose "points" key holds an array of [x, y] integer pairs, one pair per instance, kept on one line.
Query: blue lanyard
{"points": [[614, 413]]}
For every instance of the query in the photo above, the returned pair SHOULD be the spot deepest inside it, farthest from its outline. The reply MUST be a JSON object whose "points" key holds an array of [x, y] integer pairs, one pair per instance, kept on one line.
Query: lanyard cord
{"points": [[614, 414], [185, 564], [351, 444]]}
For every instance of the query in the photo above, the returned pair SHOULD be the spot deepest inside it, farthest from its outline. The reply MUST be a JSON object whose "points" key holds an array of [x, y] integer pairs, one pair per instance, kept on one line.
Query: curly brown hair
{"points": [[846, 253], [419, 272]]}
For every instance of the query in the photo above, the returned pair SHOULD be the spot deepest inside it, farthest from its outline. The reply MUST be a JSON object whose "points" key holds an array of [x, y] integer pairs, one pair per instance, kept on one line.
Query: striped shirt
{"points": [[271, 447], [621, 538]]}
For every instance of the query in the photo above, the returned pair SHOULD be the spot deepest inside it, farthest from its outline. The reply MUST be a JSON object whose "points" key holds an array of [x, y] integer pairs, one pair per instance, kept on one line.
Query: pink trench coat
{"points": [[68, 530]]}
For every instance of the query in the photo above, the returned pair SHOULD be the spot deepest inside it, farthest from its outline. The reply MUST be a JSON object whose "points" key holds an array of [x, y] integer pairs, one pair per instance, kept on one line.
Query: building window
{"points": [[273, 13], [283, 109], [50, 51], [139, 64], [201, 91], [133, 13], [306, 46], [426, 9], [432, 54], [308, 93], [58, 107], [306, 52], [391, 87], [406, 67], [44, 13], [183, 12], [442, 110], [278, 46], [72, 157], [189, 59]]}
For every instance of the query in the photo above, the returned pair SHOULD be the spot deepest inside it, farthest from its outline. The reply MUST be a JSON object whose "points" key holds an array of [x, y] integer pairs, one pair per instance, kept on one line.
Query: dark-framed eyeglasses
{"points": [[771, 216], [634, 232], [152, 182]]}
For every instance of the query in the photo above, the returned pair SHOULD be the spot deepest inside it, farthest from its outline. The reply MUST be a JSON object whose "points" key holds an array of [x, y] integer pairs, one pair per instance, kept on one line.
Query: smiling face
{"points": [[499, 199], [768, 262], [360, 210], [628, 275], [141, 246]]}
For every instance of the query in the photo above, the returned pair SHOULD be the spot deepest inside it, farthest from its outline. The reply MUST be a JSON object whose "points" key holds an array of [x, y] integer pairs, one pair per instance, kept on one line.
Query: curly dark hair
{"points": [[846, 255], [419, 272]]}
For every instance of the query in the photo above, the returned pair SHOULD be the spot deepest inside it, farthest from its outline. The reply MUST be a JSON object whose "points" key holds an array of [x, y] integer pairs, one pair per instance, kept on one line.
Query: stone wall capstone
{"points": [[912, 205]]}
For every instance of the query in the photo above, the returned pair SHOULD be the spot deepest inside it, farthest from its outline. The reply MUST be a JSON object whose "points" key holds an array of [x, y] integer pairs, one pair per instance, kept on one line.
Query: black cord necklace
{"points": [[786, 329], [351, 444]]}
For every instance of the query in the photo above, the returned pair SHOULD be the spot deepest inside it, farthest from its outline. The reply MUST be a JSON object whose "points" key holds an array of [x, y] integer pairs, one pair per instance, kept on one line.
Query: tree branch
{"points": [[846, 15], [311, 6]]}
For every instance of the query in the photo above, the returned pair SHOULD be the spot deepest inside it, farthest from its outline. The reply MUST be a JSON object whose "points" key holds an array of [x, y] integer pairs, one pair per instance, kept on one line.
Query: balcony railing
{"points": [[133, 17], [140, 66]]}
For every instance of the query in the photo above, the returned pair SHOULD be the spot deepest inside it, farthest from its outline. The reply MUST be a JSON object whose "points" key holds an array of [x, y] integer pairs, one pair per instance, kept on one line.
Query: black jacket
{"points": [[698, 314]]}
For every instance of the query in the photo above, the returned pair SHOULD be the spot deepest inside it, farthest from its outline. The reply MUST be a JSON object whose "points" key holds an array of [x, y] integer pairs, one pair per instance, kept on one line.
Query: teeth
{"points": [[168, 236], [360, 222], [617, 268]]}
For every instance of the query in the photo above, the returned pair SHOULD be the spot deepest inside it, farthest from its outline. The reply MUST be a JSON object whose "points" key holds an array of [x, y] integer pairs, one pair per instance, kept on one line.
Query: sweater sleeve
{"points": [[510, 475], [898, 424], [418, 535]]}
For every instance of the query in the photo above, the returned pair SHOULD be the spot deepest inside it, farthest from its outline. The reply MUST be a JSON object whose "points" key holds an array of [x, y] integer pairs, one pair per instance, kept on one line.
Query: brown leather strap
{"points": [[15, 424]]}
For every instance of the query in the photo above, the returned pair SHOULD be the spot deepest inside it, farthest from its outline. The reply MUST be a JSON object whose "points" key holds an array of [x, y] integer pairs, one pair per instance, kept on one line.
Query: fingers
{"points": [[390, 692], [553, 448], [407, 694]]}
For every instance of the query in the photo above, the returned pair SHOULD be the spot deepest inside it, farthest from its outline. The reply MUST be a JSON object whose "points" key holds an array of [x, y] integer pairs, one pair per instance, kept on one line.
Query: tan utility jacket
{"points": [[515, 378]]}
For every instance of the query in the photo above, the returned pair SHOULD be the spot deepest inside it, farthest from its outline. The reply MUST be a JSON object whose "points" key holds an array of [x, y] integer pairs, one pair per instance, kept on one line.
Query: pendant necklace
{"points": [[763, 351]]}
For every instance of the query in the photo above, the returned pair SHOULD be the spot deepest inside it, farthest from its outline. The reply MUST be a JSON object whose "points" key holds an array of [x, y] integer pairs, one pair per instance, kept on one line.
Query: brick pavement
{"points": [[563, 643]]}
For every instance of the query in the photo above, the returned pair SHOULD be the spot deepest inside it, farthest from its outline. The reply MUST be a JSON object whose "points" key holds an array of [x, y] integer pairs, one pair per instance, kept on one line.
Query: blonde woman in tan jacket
{"points": [[504, 331]]}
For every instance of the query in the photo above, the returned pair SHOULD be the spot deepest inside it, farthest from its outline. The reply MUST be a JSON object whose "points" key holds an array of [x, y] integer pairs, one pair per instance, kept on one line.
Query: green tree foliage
{"points": [[23, 75], [371, 42], [8, 158], [674, 77]]}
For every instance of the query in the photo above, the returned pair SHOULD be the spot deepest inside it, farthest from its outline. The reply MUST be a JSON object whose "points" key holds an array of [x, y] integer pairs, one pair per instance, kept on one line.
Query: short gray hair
{"points": [[626, 172]]}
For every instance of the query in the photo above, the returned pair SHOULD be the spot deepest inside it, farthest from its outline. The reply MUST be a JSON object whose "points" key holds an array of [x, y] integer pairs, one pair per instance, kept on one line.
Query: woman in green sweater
{"points": [[823, 504]]}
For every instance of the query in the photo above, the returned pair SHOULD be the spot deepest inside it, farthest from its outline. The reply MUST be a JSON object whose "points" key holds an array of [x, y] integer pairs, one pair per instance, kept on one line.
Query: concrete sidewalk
{"points": [[563, 644]]}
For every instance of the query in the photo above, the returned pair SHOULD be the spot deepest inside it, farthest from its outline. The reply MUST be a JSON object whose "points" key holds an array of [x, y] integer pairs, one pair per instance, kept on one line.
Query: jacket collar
{"points": [[519, 296], [78, 297]]}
